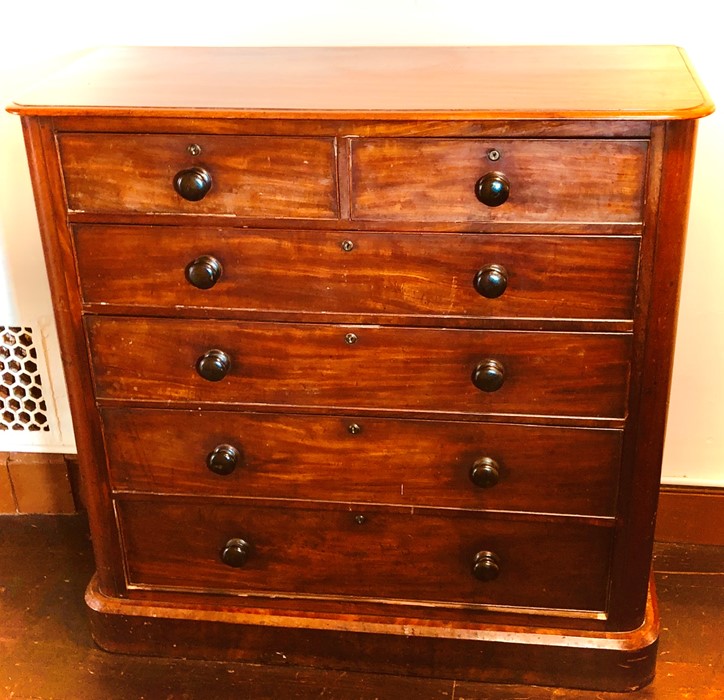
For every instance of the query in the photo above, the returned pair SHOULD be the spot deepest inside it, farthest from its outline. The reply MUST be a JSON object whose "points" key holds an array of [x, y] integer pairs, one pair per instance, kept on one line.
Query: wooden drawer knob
{"points": [[489, 375], [204, 272], [491, 281], [223, 459], [493, 189], [235, 552], [192, 184], [213, 365], [486, 566], [485, 472]]}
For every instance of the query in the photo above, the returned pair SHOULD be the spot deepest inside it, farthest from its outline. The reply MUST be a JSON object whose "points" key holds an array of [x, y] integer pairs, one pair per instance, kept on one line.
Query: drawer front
{"points": [[434, 180], [371, 553], [410, 369], [408, 274], [404, 462], [251, 176]]}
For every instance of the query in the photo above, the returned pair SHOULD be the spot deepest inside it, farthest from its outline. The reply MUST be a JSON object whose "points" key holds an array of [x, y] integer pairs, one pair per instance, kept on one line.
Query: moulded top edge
{"points": [[395, 83]]}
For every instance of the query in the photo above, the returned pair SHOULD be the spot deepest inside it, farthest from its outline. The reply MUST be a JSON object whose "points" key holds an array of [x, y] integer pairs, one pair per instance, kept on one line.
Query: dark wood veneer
{"points": [[334, 402], [556, 180], [385, 367], [60, 264], [403, 462], [364, 552], [302, 272], [273, 177]]}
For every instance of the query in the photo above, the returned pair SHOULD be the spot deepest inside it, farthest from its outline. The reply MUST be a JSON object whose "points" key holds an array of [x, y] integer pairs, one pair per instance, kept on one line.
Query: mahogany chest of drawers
{"points": [[368, 350]]}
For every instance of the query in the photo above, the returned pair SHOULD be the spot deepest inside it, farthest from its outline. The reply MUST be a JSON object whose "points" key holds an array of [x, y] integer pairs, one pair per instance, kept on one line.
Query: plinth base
{"points": [[594, 660]]}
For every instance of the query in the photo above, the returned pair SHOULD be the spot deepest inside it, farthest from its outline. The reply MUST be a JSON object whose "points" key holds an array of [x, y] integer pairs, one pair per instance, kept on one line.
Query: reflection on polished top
{"points": [[501, 82]]}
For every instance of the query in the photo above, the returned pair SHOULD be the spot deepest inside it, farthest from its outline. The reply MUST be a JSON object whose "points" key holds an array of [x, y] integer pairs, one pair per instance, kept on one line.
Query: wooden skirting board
{"points": [[691, 515], [35, 482], [48, 483]]}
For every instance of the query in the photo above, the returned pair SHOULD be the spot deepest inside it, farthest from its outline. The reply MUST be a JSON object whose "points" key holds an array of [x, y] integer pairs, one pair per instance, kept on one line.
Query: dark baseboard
{"points": [[691, 515]]}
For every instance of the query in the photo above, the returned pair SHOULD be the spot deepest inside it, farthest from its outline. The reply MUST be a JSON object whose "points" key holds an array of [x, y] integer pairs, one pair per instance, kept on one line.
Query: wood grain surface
{"points": [[403, 462], [550, 180], [386, 368], [252, 176], [302, 272], [407, 554], [348, 341], [493, 82]]}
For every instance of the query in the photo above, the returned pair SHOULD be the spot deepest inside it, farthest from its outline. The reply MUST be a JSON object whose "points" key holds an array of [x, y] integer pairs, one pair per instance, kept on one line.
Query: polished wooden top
{"points": [[501, 82]]}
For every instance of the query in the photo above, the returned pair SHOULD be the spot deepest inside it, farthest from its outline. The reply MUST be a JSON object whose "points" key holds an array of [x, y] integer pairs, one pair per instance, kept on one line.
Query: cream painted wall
{"points": [[37, 32]]}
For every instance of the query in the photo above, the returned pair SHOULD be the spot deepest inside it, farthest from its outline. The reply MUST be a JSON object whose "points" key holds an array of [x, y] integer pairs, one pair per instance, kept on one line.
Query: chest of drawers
{"points": [[368, 350]]}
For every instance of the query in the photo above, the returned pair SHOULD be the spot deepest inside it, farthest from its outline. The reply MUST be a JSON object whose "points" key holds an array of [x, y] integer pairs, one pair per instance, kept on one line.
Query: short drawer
{"points": [[364, 553], [248, 176], [405, 462], [561, 180], [446, 275], [375, 367]]}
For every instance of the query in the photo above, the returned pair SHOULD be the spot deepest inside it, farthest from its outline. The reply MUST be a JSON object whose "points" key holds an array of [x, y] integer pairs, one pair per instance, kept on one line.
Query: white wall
{"points": [[35, 32]]}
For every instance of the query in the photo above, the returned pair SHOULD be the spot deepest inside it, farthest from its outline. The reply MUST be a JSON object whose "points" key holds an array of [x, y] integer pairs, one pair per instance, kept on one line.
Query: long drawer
{"points": [[370, 553], [406, 369], [365, 460], [470, 275], [247, 176], [549, 180]]}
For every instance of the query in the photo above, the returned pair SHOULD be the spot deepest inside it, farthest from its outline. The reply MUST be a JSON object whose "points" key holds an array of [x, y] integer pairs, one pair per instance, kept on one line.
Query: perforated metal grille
{"points": [[22, 406]]}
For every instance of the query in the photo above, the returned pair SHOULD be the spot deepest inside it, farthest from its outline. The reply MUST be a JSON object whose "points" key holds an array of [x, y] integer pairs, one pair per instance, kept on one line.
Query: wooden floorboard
{"points": [[46, 652]]}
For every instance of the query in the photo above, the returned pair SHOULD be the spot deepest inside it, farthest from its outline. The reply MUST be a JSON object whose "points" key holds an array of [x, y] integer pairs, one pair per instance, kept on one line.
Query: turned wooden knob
{"points": [[192, 184], [485, 472], [223, 459], [204, 272], [489, 375], [213, 365], [491, 281], [486, 566], [235, 552], [493, 189]]}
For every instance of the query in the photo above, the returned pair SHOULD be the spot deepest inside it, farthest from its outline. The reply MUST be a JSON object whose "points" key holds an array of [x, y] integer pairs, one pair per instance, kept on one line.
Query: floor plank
{"points": [[46, 652]]}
